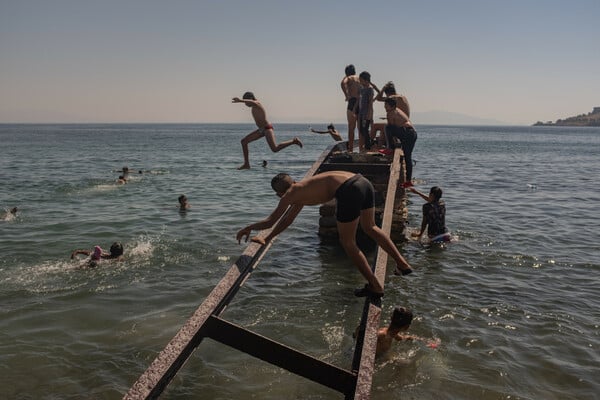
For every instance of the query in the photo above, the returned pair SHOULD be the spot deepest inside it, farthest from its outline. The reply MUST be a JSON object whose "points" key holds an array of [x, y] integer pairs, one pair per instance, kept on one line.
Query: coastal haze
{"points": [[513, 62]]}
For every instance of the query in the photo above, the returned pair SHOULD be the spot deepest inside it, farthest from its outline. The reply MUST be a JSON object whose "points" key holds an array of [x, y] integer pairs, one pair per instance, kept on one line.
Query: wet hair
{"points": [[391, 102], [248, 96], [401, 317], [436, 192], [281, 182], [365, 75], [116, 249], [330, 126], [389, 88], [182, 198], [350, 70]]}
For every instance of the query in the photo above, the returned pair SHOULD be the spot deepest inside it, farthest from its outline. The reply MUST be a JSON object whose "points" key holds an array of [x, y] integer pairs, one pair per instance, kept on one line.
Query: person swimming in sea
{"points": [[10, 214], [98, 254]]}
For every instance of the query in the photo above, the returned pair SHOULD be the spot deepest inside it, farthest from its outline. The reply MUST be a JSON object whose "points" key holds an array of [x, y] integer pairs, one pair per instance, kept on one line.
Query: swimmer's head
{"points": [[248, 96], [330, 126], [281, 183], [350, 70], [401, 318], [436, 192], [116, 249], [14, 210]]}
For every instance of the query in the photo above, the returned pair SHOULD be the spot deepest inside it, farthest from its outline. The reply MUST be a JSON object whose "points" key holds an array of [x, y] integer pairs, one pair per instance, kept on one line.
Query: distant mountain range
{"points": [[450, 118], [590, 119]]}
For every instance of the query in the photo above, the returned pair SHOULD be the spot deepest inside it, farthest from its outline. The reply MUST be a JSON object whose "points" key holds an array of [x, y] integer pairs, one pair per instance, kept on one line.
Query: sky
{"points": [[80, 61]]}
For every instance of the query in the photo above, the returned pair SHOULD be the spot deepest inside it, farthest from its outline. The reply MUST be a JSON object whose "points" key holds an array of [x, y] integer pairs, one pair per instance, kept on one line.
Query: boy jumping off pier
{"points": [[264, 128], [355, 203]]}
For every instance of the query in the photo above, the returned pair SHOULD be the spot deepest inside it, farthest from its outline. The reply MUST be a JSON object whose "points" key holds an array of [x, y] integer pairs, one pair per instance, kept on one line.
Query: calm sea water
{"points": [[515, 301]]}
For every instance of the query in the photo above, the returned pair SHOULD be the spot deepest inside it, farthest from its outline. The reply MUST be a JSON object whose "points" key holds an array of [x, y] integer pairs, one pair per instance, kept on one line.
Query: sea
{"points": [[513, 302]]}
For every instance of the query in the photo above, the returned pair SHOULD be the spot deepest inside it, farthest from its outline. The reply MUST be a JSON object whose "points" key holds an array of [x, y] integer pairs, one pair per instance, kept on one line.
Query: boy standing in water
{"points": [[332, 132], [265, 129], [434, 215]]}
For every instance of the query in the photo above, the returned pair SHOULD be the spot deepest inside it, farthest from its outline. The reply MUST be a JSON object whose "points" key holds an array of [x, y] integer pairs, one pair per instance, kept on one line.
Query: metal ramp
{"points": [[206, 322]]}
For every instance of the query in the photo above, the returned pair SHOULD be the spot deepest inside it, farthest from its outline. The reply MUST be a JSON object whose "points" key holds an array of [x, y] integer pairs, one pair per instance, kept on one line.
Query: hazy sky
{"points": [[182, 61]]}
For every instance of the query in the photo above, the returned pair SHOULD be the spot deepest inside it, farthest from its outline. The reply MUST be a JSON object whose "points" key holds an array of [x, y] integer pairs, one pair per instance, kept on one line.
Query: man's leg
{"points": [[347, 233], [270, 136], [251, 137], [351, 126], [367, 223]]}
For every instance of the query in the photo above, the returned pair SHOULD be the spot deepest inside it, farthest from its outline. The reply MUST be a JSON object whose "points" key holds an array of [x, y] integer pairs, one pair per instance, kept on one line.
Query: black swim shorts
{"points": [[353, 104], [352, 196]]}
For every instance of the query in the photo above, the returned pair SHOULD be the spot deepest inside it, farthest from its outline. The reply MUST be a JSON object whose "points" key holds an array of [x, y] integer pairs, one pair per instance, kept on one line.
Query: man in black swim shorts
{"points": [[355, 204]]}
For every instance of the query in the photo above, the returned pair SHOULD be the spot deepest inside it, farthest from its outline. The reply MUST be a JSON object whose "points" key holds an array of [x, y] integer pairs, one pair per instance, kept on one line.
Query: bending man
{"points": [[355, 203]]}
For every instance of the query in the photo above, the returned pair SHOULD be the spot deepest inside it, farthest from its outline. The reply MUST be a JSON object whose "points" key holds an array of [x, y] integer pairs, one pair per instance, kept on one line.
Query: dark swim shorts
{"points": [[353, 104], [352, 196]]}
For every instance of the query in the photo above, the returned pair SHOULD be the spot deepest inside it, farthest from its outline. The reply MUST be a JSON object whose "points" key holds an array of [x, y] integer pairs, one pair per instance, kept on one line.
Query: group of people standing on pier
{"points": [[354, 194]]}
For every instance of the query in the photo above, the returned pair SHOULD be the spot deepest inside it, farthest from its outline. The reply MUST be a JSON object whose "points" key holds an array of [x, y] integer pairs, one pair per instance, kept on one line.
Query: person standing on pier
{"points": [[351, 88], [355, 204], [265, 129], [399, 126]]}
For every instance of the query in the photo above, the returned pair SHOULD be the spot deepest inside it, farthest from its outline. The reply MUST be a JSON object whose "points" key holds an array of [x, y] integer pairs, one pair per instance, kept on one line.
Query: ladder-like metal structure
{"points": [[206, 322]]}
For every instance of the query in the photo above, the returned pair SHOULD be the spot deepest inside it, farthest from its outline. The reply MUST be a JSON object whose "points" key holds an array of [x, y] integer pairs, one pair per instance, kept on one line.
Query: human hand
{"points": [[243, 232], [236, 100]]}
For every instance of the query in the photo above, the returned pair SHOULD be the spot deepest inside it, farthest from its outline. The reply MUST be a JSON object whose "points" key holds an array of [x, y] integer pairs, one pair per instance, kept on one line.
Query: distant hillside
{"points": [[591, 119]]}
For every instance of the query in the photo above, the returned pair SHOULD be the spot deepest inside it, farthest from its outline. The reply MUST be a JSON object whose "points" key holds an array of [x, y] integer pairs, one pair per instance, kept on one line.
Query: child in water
{"points": [[434, 216], [401, 320], [183, 203], [96, 255]]}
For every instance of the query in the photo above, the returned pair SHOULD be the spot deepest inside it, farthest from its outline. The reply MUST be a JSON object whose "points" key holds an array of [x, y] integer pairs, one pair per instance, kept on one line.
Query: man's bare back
{"points": [[351, 85], [318, 189]]}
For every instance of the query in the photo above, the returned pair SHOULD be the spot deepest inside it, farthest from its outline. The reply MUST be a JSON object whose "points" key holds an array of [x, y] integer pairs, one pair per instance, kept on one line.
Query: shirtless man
{"points": [[351, 88], [264, 128], [399, 126], [355, 203], [389, 90]]}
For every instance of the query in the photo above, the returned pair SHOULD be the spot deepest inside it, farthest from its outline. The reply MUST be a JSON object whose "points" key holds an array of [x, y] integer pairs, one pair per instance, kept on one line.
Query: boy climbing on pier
{"points": [[355, 204], [264, 128]]}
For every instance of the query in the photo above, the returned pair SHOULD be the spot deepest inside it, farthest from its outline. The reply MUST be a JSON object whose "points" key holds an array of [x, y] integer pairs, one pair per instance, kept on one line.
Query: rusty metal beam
{"points": [[366, 344], [280, 355], [205, 322]]}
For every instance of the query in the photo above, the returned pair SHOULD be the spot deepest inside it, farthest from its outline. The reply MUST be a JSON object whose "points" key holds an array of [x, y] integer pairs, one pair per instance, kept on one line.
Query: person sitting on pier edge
{"points": [[434, 216], [355, 203], [399, 126]]}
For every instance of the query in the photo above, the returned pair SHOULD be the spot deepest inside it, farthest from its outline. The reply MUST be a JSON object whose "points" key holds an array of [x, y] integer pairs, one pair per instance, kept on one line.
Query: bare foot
{"points": [[298, 142], [244, 166]]}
